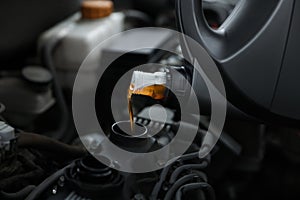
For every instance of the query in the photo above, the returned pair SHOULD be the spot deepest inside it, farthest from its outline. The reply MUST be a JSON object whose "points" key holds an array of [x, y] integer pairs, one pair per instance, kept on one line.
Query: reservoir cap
{"points": [[96, 9], [37, 74]]}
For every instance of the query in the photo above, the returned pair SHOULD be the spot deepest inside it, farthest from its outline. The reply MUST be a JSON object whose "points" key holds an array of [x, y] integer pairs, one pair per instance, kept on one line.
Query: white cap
{"points": [[7, 133]]}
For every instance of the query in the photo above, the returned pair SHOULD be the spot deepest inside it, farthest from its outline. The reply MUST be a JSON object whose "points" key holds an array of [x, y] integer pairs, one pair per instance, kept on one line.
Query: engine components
{"points": [[87, 178], [92, 179]]}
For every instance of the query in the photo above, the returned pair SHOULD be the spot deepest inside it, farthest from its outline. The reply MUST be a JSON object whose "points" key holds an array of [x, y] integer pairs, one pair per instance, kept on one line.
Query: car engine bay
{"points": [[49, 81]]}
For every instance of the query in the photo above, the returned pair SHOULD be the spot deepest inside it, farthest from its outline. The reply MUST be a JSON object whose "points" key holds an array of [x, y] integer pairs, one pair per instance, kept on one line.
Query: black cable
{"points": [[193, 186], [165, 171], [178, 184], [180, 169], [20, 195], [158, 185], [46, 56]]}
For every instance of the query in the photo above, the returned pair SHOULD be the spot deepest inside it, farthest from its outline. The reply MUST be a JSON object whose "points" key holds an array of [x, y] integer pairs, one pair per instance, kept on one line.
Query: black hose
{"points": [[2, 108], [201, 175], [158, 185], [20, 195], [193, 186], [46, 56], [139, 16], [180, 169], [165, 171], [183, 180], [54, 149]]}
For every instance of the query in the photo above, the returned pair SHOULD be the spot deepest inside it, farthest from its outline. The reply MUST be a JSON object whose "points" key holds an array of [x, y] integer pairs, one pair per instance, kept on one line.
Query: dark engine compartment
{"points": [[43, 155]]}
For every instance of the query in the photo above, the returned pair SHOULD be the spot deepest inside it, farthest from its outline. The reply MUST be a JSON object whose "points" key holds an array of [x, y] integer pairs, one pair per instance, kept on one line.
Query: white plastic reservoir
{"points": [[82, 33]]}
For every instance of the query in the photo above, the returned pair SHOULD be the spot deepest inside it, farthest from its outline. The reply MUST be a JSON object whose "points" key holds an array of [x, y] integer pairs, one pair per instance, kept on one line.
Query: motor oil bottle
{"points": [[146, 86]]}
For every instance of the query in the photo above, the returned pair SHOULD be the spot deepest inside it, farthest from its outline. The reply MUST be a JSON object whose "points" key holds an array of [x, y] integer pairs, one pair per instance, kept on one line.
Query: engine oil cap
{"points": [[96, 9]]}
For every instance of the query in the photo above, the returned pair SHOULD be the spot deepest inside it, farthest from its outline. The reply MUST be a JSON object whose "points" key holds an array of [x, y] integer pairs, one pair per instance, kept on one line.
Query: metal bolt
{"points": [[161, 163], [54, 189]]}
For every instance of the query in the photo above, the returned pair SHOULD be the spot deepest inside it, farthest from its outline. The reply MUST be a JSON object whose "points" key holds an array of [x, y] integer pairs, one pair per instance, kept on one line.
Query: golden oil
{"points": [[155, 91]]}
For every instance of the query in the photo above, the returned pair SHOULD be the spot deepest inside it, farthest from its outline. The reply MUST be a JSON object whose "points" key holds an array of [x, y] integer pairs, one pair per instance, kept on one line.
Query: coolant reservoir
{"points": [[82, 33]]}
